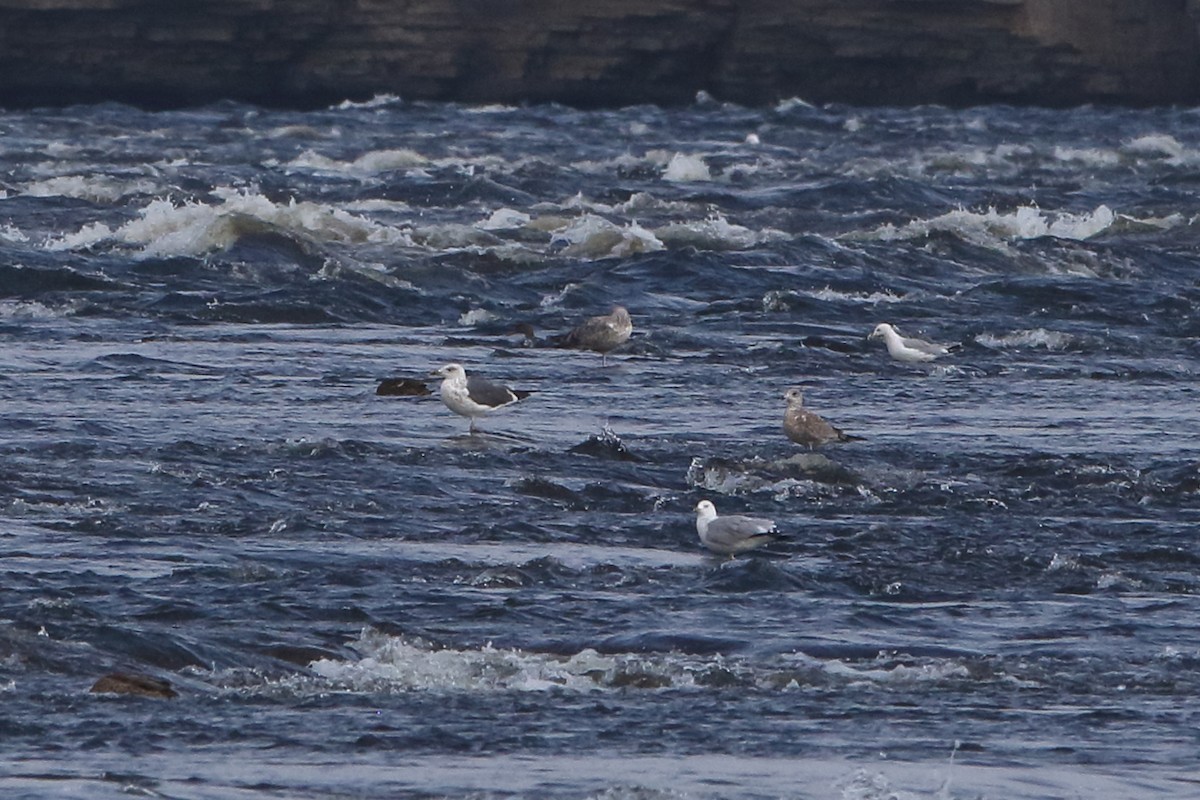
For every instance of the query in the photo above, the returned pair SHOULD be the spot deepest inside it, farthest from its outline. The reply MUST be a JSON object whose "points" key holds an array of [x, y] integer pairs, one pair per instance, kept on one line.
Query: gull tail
{"points": [[564, 340]]}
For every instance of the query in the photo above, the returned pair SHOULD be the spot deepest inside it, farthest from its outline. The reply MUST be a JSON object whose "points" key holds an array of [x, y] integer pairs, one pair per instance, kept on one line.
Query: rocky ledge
{"points": [[600, 53]]}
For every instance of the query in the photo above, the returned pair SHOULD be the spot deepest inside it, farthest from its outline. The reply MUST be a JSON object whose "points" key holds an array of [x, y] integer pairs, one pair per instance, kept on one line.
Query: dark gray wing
{"points": [[486, 393]]}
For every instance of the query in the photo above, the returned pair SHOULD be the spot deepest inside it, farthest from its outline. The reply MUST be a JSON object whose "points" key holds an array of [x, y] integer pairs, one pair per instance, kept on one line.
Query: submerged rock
{"points": [[402, 387], [606, 444], [135, 684], [741, 476]]}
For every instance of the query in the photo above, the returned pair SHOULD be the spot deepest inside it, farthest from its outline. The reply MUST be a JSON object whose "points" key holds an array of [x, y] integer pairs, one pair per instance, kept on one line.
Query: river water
{"points": [[992, 594]]}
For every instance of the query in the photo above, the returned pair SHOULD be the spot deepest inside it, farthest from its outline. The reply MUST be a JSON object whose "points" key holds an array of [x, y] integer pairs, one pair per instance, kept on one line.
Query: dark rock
{"points": [[606, 52], [135, 684], [605, 444], [402, 387]]}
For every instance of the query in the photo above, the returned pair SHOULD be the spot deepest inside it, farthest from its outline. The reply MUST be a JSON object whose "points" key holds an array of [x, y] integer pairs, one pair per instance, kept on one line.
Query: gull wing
{"points": [[486, 393], [735, 533]]}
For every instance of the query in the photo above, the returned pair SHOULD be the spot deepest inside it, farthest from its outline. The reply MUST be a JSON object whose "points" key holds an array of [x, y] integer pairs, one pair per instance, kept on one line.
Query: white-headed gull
{"points": [[731, 534], [905, 348], [473, 397]]}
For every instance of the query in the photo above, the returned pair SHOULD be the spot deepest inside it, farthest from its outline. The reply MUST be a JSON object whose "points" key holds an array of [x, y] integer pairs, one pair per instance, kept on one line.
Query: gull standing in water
{"points": [[601, 334], [733, 534], [473, 397], [904, 348], [808, 428]]}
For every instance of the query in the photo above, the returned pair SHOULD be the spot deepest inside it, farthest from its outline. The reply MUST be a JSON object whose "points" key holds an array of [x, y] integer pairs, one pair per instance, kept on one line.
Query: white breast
{"points": [[455, 396]]}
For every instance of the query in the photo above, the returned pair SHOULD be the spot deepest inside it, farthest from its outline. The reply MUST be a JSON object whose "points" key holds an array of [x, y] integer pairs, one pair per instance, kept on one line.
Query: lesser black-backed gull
{"points": [[473, 397]]}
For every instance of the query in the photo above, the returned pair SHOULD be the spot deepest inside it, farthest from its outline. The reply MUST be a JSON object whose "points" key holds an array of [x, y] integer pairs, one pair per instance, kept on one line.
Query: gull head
{"points": [[794, 396], [619, 313], [706, 510], [881, 330], [453, 371]]}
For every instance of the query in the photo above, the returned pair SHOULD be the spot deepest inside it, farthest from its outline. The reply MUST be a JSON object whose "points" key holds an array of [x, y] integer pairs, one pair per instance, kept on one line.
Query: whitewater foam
{"points": [[32, 309], [591, 236], [94, 189], [367, 165], [1030, 338], [1156, 145], [995, 229], [716, 233], [388, 663], [504, 219], [392, 663], [685, 168], [378, 101], [165, 229], [12, 234]]}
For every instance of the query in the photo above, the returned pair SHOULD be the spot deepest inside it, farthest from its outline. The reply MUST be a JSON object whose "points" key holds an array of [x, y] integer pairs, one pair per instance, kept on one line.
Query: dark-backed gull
{"points": [[473, 397]]}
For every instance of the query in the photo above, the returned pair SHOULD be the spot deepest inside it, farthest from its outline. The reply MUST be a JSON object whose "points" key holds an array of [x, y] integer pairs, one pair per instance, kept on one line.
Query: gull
{"points": [[808, 428], [526, 332], [903, 348], [473, 397], [733, 534], [601, 334]]}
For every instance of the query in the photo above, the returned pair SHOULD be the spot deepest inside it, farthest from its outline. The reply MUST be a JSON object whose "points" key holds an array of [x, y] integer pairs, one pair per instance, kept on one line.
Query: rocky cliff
{"points": [[600, 52]]}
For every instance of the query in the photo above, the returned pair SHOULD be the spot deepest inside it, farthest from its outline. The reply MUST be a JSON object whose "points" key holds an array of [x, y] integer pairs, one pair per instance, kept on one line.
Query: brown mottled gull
{"points": [[808, 428], [601, 334]]}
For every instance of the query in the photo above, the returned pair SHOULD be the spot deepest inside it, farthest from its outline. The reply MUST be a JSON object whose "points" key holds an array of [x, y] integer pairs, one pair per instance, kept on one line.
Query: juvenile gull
{"points": [[601, 334], [808, 428], [473, 397], [731, 534], [904, 348]]}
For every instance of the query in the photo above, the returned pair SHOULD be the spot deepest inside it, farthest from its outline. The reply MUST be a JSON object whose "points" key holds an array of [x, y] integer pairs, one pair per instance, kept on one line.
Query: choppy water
{"points": [[993, 595]]}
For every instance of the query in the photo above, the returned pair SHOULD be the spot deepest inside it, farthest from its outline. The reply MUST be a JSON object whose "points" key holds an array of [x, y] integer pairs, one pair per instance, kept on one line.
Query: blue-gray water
{"points": [[993, 594]]}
